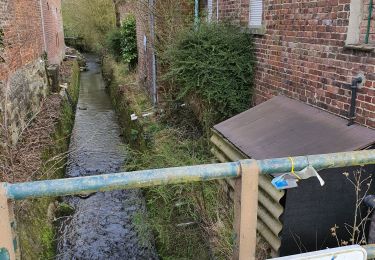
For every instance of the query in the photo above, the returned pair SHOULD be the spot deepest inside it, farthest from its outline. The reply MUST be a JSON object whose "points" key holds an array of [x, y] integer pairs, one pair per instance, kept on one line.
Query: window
{"points": [[256, 17], [256, 13], [361, 32], [209, 10]]}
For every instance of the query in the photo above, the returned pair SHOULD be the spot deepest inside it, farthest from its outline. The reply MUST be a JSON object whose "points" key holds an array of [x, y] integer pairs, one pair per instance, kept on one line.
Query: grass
{"points": [[35, 218], [189, 221]]}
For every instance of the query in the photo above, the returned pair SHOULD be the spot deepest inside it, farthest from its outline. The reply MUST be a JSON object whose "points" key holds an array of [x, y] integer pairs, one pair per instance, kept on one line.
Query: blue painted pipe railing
{"points": [[146, 178]]}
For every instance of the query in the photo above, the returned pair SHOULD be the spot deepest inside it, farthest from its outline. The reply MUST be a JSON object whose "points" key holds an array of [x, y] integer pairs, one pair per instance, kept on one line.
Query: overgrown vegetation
{"points": [[212, 66], [122, 42], [181, 216], [355, 233], [35, 217], [89, 19]]}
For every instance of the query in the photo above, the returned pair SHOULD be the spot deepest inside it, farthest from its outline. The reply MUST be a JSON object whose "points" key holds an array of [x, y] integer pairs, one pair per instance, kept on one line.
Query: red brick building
{"points": [[28, 29], [53, 30], [306, 50], [310, 50]]}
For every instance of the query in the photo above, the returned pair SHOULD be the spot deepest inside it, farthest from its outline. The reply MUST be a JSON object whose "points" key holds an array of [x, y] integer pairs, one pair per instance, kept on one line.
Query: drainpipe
{"points": [[196, 13], [217, 10], [152, 32], [370, 7], [43, 29], [356, 84]]}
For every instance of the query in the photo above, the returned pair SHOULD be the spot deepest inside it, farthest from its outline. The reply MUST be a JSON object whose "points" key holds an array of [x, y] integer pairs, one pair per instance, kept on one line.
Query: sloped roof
{"points": [[282, 127]]}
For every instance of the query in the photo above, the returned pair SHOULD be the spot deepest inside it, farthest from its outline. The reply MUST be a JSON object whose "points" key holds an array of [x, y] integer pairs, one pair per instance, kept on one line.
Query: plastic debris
{"points": [[133, 117], [285, 181], [147, 114], [289, 180]]}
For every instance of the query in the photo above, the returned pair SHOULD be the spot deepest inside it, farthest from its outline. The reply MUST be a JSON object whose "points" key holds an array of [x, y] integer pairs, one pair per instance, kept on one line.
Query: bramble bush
{"points": [[215, 63]]}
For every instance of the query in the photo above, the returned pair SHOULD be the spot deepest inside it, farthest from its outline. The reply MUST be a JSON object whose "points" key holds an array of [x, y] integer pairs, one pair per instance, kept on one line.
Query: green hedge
{"points": [[215, 63]]}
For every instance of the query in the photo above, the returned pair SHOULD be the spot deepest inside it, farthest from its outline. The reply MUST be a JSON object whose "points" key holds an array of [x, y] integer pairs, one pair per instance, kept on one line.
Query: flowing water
{"points": [[104, 224]]}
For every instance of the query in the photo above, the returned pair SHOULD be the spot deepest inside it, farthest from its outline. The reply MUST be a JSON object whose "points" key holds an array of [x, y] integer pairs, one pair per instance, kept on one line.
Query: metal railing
{"points": [[247, 169]]}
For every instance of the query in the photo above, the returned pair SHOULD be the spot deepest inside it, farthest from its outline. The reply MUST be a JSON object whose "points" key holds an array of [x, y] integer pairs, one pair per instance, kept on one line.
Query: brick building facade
{"points": [[28, 29], [53, 31], [311, 50], [306, 50], [154, 15]]}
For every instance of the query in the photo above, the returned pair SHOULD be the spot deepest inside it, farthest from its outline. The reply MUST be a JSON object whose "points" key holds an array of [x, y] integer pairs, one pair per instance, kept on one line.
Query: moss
{"points": [[63, 210], [35, 218]]}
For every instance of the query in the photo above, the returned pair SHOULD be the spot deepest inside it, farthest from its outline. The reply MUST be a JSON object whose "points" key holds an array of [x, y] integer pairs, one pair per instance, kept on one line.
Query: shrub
{"points": [[122, 42], [129, 40], [214, 63], [114, 43]]}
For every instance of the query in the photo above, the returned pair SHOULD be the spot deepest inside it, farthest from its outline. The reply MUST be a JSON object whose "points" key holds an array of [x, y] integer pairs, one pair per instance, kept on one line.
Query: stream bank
{"points": [[103, 225], [189, 221], [41, 154]]}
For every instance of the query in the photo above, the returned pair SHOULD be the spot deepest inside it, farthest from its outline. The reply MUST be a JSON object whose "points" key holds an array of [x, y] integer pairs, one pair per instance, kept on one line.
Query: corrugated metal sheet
{"points": [[269, 208], [282, 127]]}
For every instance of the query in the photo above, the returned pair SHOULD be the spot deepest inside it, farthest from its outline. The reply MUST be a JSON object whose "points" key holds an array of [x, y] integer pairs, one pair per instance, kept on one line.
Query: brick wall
{"points": [[22, 34], [302, 54], [141, 12], [23, 81], [236, 11], [53, 29], [168, 16]]}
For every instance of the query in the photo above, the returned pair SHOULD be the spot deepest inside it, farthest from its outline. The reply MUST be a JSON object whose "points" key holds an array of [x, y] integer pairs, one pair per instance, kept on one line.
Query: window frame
{"points": [[353, 34], [257, 29]]}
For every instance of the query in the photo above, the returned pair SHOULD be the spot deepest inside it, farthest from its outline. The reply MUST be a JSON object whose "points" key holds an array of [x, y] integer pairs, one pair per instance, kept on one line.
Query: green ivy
{"points": [[216, 63]]}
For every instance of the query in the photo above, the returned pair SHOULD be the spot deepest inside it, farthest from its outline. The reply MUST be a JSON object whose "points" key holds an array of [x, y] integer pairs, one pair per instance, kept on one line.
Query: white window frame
{"points": [[256, 24], [209, 10]]}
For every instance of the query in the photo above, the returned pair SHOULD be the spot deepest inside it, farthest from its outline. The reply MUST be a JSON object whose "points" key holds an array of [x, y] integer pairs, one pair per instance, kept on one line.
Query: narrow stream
{"points": [[103, 225]]}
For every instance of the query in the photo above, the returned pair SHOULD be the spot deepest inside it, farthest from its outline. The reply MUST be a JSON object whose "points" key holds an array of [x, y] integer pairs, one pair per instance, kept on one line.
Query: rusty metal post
{"points": [[8, 238]]}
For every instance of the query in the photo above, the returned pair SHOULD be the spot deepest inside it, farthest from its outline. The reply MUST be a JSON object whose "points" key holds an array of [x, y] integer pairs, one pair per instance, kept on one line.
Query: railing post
{"points": [[8, 237], [245, 210]]}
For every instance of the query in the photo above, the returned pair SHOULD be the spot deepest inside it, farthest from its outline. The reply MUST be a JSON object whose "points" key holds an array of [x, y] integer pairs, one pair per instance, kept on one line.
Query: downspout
{"points": [[43, 29], [217, 10], [196, 13], [356, 84], [152, 32], [370, 7]]}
